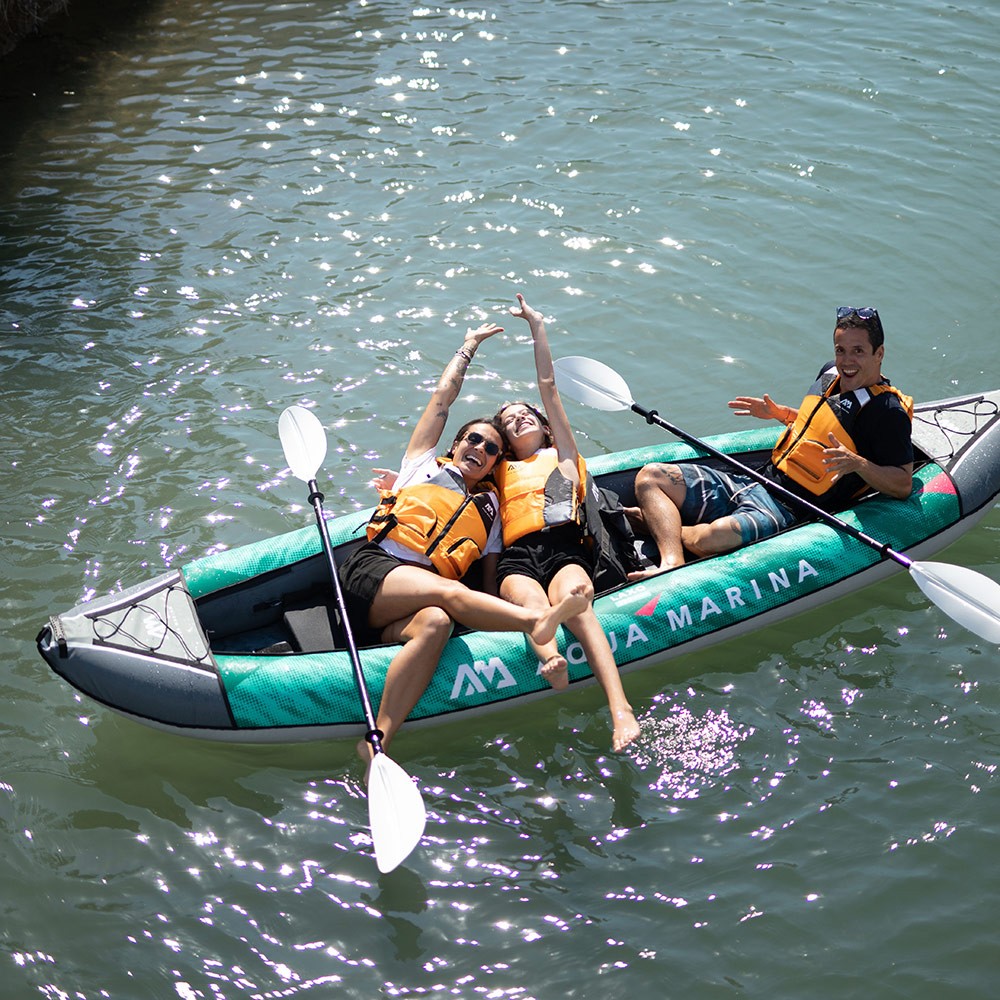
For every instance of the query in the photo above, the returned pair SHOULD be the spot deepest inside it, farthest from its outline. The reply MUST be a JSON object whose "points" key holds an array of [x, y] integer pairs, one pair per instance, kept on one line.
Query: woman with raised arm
{"points": [[545, 556], [404, 582]]}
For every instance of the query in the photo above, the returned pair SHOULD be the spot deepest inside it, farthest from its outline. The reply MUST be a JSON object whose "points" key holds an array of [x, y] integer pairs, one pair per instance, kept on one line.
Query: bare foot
{"points": [[556, 671], [665, 566], [574, 603], [626, 729], [643, 574]]}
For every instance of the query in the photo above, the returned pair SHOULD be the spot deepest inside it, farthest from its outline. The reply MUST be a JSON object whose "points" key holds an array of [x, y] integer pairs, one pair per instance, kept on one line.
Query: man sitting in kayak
{"points": [[851, 434]]}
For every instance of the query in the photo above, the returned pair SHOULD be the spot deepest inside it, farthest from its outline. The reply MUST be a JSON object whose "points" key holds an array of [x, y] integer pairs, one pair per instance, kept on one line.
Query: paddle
{"points": [[396, 811], [970, 598]]}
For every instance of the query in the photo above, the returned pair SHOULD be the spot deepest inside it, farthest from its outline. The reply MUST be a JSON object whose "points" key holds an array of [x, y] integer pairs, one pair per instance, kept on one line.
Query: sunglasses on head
{"points": [[862, 312], [490, 447], [864, 317]]}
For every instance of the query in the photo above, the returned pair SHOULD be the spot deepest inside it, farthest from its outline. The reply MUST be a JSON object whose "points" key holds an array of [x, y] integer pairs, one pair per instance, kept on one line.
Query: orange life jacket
{"points": [[440, 519], [799, 451], [536, 495]]}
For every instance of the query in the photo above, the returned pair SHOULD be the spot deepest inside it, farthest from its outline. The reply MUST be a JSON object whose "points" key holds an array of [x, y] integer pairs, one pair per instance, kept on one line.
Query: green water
{"points": [[209, 212]]}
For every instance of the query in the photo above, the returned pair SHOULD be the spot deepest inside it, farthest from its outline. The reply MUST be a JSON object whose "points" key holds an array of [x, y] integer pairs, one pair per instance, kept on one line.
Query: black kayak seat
{"points": [[313, 627]]}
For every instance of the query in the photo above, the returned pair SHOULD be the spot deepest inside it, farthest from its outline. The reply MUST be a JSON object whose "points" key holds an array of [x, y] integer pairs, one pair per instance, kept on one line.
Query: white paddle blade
{"points": [[592, 383], [303, 441], [972, 599], [395, 811]]}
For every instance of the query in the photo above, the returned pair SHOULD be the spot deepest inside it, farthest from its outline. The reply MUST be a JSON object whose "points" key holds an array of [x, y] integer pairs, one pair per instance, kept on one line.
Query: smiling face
{"points": [[857, 363], [473, 458], [524, 429]]}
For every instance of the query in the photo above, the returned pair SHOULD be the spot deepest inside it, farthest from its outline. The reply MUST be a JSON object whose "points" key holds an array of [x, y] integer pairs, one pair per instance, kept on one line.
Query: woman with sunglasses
{"points": [[545, 556], [440, 517]]}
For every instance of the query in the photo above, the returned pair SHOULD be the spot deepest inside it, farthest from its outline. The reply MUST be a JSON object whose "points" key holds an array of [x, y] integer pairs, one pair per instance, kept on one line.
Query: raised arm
{"points": [[562, 432], [430, 426]]}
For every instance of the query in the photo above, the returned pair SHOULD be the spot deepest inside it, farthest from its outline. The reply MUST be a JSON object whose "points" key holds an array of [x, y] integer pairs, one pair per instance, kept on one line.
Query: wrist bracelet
{"points": [[465, 353]]}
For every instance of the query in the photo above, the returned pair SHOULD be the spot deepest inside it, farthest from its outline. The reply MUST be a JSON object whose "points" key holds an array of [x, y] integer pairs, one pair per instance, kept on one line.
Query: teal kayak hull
{"points": [[214, 649]]}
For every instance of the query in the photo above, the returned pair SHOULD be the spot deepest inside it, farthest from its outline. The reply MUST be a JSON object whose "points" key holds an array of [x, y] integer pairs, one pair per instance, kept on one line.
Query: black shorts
{"points": [[361, 575], [541, 555]]}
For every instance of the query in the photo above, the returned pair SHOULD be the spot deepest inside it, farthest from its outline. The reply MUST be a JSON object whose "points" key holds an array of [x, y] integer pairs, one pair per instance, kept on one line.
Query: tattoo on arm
{"points": [[454, 374]]}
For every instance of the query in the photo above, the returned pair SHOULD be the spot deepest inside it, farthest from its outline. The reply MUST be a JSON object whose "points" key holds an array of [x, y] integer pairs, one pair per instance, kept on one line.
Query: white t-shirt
{"points": [[419, 470]]}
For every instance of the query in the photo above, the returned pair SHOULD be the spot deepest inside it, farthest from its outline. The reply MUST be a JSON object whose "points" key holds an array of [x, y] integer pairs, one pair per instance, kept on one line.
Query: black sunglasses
{"points": [[490, 447]]}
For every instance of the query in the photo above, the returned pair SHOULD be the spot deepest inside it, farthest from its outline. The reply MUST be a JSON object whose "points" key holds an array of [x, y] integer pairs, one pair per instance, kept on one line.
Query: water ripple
{"points": [[220, 210]]}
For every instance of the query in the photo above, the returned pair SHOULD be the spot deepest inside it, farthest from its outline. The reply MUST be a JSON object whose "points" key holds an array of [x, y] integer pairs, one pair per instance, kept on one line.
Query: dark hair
{"points": [[464, 429], [849, 318], [542, 419]]}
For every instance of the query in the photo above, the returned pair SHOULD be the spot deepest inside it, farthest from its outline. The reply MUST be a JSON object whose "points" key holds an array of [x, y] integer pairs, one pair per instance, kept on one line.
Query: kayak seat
{"points": [[313, 627]]}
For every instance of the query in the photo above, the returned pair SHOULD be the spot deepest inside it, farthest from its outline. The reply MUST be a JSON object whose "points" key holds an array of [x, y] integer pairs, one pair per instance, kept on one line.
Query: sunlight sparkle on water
{"points": [[685, 753]]}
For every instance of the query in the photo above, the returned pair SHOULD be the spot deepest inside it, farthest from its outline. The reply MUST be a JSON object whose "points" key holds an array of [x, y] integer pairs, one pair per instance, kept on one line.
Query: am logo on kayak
{"points": [[715, 610]]}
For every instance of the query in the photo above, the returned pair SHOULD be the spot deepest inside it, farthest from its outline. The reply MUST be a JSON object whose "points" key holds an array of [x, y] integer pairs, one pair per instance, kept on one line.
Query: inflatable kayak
{"points": [[246, 644]]}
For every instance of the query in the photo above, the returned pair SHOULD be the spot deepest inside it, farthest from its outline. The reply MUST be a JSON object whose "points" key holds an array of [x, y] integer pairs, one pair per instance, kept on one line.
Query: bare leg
{"points": [[660, 491], [423, 636], [408, 589], [720, 535], [528, 593], [590, 633], [416, 607]]}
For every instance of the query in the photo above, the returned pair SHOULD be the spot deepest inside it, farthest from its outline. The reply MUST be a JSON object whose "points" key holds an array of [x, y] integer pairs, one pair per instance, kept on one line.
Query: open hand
{"points": [[753, 406], [384, 479], [523, 311], [481, 333]]}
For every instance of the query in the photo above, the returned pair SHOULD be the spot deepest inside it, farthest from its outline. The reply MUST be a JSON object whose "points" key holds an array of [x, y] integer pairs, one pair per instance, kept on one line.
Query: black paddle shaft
{"points": [[374, 735], [652, 417]]}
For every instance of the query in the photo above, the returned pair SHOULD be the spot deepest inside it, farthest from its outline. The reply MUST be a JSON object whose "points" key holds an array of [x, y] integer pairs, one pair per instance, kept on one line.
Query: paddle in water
{"points": [[970, 598], [396, 812]]}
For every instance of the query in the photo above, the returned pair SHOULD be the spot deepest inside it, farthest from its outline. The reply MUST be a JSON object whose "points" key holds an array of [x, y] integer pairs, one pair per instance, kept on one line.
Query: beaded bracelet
{"points": [[465, 353]]}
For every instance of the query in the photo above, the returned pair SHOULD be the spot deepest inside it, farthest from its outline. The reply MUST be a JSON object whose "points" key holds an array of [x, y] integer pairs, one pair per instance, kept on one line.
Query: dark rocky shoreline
{"points": [[20, 18]]}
